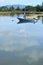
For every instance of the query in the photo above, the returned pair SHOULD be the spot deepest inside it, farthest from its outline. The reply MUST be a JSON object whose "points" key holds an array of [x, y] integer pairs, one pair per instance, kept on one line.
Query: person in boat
{"points": [[24, 15]]}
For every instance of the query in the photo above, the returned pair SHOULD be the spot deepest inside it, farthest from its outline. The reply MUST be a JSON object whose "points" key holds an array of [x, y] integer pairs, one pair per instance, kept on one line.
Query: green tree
{"points": [[18, 8], [3, 8], [38, 8], [30, 8], [11, 9]]}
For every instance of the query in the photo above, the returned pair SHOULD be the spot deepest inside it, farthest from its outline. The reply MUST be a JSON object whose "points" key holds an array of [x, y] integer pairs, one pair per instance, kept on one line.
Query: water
{"points": [[20, 43]]}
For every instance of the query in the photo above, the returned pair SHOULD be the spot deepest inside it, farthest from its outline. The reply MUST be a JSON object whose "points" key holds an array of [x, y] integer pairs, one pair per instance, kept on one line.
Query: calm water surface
{"points": [[22, 43]]}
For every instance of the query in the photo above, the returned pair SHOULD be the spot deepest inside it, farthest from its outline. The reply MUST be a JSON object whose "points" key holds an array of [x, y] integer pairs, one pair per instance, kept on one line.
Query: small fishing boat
{"points": [[24, 20], [28, 19], [21, 20]]}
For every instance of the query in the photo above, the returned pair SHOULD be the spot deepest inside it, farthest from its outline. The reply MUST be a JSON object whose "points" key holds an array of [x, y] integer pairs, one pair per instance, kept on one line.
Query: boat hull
{"points": [[24, 20]]}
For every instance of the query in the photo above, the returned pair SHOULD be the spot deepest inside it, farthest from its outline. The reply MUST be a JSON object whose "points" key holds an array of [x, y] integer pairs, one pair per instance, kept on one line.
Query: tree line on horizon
{"points": [[29, 8]]}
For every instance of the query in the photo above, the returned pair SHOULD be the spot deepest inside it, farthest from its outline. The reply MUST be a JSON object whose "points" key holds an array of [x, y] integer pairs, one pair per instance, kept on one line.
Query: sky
{"points": [[22, 2]]}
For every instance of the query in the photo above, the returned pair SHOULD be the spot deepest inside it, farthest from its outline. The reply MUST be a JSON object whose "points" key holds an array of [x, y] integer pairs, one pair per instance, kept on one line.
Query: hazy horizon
{"points": [[21, 2]]}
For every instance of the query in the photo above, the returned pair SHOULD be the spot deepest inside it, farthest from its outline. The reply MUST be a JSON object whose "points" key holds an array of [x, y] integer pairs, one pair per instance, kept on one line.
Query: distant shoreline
{"points": [[20, 12]]}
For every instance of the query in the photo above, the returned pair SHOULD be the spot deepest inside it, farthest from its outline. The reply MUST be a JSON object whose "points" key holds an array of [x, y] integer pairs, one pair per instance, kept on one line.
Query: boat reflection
{"points": [[42, 20]]}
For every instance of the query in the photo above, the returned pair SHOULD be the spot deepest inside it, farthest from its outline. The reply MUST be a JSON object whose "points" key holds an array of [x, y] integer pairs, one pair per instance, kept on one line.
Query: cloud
{"points": [[34, 56], [2, 0], [11, 41], [22, 30], [12, 44]]}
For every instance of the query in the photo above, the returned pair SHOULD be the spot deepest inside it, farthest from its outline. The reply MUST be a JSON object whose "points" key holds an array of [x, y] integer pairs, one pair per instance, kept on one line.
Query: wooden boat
{"points": [[24, 20], [32, 18]]}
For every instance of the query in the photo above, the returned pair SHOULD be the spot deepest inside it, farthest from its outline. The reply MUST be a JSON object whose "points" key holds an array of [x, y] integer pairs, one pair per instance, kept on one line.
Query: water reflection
{"points": [[42, 20], [20, 44]]}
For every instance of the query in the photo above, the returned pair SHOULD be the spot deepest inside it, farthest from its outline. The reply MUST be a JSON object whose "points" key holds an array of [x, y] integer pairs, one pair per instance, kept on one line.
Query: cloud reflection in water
{"points": [[24, 42]]}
